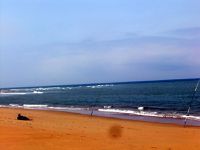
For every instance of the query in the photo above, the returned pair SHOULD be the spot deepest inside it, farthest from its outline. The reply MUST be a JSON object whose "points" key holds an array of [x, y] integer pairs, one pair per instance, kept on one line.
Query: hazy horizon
{"points": [[75, 42]]}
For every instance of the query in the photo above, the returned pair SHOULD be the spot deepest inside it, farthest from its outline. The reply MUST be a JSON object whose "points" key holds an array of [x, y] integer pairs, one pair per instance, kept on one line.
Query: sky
{"points": [[49, 42]]}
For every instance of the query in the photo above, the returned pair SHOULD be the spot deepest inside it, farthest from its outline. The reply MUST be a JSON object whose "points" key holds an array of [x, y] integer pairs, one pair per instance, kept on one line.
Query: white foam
{"points": [[3, 106], [37, 92], [116, 111], [140, 108], [191, 117], [129, 112], [45, 107], [66, 108], [34, 106], [14, 105], [12, 93], [7, 93], [99, 86], [48, 88], [41, 89], [107, 107], [150, 114]]}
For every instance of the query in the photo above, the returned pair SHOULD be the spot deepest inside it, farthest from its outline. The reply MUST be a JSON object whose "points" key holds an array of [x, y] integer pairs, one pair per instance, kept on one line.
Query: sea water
{"points": [[158, 101]]}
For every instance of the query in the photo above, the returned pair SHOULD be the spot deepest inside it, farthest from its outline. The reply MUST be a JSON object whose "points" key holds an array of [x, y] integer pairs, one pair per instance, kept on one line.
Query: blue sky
{"points": [[45, 42]]}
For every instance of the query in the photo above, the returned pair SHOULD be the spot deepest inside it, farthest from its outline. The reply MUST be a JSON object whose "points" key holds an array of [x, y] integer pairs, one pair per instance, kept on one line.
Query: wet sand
{"points": [[49, 130]]}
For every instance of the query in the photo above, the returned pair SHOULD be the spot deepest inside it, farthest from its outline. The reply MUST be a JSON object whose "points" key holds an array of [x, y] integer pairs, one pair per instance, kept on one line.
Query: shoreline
{"points": [[134, 117], [54, 130], [94, 116]]}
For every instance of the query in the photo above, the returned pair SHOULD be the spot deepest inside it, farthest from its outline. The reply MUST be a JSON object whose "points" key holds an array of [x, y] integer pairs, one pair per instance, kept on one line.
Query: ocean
{"points": [[164, 101]]}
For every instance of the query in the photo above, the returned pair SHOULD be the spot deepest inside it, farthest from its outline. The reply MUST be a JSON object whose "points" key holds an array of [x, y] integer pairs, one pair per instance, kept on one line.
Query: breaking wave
{"points": [[41, 90], [150, 114], [10, 93]]}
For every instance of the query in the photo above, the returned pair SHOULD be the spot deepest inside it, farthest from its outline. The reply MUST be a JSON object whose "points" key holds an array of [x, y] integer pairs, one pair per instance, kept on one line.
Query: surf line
{"points": [[190, 104]]}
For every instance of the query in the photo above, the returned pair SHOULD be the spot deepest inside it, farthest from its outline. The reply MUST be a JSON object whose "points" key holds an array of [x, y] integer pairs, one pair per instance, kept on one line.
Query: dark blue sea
{"points": [[160, 101]]}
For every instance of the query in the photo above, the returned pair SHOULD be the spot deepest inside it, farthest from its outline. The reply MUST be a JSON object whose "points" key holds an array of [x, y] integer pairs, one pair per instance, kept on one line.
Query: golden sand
{"points": [[65, 131]]}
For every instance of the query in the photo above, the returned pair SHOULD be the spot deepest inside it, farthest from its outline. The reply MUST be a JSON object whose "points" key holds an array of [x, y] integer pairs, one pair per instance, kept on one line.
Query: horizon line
{"points": [[102, 83]]}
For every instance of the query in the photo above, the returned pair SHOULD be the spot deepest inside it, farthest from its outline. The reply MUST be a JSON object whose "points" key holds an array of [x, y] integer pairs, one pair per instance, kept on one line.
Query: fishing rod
{"points": [[190, 104]]}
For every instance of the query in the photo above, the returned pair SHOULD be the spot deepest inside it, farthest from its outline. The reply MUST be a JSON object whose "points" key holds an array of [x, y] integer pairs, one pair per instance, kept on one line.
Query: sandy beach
{"points": [[50, 130]]}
